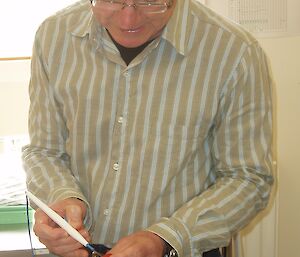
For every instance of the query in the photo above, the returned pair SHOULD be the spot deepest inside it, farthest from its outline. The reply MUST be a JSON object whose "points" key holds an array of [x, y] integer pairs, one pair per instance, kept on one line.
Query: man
{"points": [[150, 126]]}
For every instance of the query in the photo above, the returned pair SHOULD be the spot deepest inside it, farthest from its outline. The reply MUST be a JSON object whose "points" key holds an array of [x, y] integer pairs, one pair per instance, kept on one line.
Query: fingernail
{"points": [[107, 255]]}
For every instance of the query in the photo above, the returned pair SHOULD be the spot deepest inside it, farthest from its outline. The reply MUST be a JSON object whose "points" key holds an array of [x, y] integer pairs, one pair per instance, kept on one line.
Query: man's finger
{"points": [[74, 216], [49, 233]]}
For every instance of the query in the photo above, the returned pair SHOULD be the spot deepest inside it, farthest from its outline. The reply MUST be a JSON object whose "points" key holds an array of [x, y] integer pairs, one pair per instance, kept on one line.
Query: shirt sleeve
{"points": [[243, 160], [45, 159]]}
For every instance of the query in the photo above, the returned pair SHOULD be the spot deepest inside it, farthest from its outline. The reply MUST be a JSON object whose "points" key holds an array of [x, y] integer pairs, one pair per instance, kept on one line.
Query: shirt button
{"points": [[116, 166], [106, 212], [120, 119], [126, 73]]}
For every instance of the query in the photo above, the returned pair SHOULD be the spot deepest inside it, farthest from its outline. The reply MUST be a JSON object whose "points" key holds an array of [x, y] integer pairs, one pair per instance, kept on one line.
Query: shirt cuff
{"points": [[65, 193], [175, 233]]}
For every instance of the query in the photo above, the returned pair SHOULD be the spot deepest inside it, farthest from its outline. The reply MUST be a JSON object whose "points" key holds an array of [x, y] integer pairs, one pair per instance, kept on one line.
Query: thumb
{"points": [[74, 216]]}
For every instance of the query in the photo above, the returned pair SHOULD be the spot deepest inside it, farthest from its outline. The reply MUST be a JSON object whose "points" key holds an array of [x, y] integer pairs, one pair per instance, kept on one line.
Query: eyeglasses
{"points": [[146, 6]]}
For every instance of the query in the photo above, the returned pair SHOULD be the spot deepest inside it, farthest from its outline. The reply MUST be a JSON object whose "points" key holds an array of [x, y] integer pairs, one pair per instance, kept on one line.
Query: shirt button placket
{"points": [[116, 165]]}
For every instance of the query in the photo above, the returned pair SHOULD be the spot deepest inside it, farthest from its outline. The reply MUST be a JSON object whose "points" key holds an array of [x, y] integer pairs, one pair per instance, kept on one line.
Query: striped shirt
{"points": [[177, 143]]}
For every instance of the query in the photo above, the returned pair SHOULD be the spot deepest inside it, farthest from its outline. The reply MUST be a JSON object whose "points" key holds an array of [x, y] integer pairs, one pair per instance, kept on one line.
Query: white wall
{"points": [[284, 54], [30, 14], [14, 100]]}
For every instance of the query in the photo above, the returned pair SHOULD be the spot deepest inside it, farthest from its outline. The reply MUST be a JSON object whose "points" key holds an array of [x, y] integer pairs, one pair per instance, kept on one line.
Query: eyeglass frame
{"points": [[167, 4]]}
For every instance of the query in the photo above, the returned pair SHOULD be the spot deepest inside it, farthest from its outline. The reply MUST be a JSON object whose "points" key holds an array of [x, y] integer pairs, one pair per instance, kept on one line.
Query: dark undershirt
{"points": [[128, 53]]}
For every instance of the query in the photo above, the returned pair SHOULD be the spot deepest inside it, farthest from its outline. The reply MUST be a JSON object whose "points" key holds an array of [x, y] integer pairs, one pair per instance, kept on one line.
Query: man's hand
{"points": [[139, 244], [55, 238]]}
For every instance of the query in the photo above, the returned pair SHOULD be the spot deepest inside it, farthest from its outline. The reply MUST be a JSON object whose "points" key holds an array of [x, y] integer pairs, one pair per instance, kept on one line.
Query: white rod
{"points": [[58, 219]]}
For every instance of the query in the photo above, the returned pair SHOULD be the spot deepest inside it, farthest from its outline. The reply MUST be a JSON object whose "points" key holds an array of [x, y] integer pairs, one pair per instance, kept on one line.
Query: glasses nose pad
{"points": [[124, 5]]}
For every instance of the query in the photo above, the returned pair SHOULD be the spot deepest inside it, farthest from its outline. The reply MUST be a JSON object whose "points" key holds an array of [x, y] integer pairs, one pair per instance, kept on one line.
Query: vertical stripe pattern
{"points": [[178, 142]]}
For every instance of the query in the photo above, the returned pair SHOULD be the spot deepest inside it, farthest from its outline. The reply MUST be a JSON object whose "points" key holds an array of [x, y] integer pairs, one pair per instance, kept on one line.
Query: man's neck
{"points": [[129, 53]]}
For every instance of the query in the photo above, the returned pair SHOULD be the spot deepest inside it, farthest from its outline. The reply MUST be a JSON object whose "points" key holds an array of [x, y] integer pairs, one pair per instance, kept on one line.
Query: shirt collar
{"points": [[176, 31], [84, 23]]}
